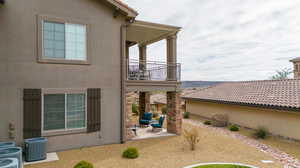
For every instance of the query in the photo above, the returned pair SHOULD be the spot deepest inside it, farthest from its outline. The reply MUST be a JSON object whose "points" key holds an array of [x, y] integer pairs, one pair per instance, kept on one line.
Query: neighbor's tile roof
{"points": [[269, 93]]}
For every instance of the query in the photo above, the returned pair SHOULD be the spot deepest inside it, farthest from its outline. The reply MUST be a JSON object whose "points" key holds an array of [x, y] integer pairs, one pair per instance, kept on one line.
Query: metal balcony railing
{"points": [[153, 71]]}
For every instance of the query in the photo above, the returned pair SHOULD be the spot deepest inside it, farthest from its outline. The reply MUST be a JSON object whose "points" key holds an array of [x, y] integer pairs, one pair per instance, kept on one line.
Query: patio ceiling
{"points": [[145, 33]]}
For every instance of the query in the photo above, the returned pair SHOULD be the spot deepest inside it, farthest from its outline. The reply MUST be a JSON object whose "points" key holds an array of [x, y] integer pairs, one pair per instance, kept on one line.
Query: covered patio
{"points": [[144, 76]]}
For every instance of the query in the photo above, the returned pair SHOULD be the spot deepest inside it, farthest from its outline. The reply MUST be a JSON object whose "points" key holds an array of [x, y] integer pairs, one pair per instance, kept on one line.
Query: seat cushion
{"points": [[145, 122], [156, 125]]}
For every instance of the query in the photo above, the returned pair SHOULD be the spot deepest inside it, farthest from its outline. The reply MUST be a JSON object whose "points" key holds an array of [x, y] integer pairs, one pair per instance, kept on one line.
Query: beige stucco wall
{"points": [[277, 122], [19, 68]]}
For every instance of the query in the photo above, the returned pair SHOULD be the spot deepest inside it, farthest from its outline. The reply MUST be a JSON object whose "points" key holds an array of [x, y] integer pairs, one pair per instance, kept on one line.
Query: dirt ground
{"points": [[288, 146], [167, 152]]}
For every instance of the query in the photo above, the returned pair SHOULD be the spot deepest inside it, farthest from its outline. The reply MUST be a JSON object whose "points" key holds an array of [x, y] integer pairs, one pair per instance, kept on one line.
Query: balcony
{"points": [[153, 71], [151, 75]]}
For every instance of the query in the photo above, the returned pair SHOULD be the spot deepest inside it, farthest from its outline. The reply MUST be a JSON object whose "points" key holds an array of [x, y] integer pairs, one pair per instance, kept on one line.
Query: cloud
{"points": [[227, 39]]}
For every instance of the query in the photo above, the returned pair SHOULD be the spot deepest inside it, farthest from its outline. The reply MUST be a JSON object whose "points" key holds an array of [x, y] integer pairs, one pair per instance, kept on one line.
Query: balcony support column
{"points": [[142, 56], [172, 57], [144, 103], [174, 116]]}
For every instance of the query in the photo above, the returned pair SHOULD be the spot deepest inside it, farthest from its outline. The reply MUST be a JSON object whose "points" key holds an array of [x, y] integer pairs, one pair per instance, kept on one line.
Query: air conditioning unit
{"points": [[7, 144], [9, 163], [35, 149], [12, 152]]}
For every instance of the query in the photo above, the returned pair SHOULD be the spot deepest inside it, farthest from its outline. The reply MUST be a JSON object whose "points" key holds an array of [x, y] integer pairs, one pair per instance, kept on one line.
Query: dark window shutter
{"points": [[32, 111], [93, 109]]}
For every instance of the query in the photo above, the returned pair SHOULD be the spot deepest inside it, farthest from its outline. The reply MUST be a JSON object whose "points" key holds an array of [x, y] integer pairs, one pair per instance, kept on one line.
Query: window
{"points": [[64, 111], [62, 41]]}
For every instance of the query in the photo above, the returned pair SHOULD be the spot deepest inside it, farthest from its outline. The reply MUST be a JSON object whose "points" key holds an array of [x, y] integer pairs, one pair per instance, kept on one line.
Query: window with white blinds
{"points": [[64, 41], [64, 111]]}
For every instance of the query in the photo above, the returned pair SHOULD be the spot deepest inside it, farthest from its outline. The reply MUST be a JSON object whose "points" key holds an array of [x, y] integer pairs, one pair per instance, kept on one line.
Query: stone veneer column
{"points": [[174, 116], [144, 103], [128, 116]]}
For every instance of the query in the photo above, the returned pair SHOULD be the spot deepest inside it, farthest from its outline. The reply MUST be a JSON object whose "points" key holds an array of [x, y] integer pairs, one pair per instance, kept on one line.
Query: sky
{"points": [[226, 40]]}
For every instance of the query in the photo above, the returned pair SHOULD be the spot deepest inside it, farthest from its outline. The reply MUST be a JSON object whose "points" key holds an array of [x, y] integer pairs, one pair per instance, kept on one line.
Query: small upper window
{"points": [[64, 41]]}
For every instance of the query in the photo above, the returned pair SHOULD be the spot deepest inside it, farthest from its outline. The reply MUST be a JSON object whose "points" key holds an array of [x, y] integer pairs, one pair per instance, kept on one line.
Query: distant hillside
{"points": [[192, 84]]}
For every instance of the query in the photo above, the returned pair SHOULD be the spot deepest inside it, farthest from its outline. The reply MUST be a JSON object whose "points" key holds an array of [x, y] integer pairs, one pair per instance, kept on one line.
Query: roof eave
{"points": [[287, 108], [126, 10]]}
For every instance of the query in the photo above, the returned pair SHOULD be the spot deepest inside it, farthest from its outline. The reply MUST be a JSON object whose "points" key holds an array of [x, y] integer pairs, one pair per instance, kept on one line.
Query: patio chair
{"points": [[159, 124], [146, 119]]}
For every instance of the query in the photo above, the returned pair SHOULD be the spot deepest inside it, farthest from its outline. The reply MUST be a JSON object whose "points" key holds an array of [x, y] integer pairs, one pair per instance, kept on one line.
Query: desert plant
{"points": [[135, 110], [186, 114], [261, 133], [192, 136], [234, 128], [219, 120], [207, 122], [84, 164], [164, 110], [131, 153]]}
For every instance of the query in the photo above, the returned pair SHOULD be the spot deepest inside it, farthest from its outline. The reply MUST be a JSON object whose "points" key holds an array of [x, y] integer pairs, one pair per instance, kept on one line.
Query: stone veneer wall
{"points": [[130, 99]]}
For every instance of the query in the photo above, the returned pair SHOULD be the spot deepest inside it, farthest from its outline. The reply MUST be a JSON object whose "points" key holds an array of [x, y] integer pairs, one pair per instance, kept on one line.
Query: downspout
{"points": [[123, 76]]}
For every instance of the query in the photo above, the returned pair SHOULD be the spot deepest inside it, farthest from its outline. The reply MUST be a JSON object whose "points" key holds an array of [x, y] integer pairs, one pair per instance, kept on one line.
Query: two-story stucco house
{"points": [[65, 70]]}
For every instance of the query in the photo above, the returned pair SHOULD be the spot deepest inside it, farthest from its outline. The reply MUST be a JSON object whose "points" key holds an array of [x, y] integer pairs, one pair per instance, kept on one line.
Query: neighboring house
{"points": [[159, 101], [65, 70], [273, 104]]}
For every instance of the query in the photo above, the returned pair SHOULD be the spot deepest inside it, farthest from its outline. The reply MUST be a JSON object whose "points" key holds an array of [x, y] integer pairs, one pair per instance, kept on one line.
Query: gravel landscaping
{"points": [[284, 158], [167, 152]]}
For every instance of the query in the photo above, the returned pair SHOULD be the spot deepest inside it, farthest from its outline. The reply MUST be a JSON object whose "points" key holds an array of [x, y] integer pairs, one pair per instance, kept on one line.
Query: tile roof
{"points": [[282, 94], [120, 2]]}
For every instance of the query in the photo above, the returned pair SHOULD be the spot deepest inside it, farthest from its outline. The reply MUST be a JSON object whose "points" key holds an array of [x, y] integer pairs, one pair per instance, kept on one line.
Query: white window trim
{"points": [[65, 130], [40, 45]]}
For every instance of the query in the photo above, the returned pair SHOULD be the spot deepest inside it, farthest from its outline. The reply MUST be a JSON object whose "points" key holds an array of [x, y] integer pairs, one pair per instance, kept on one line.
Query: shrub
{"points": [[261, 133], [164, 110], [207, 122], [186, 114], [220, 120], [84, 164], [135, 110], [131, 153], [234, 128], [192, 136]]}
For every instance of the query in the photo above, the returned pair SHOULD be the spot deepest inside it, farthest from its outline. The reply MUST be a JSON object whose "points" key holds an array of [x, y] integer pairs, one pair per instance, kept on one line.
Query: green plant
{"points": [[164, 110], [84, 164], [207, 122], [131, 153], [186, 114], [134, 109], [234, 128], [192, 136], [261, 133]]}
